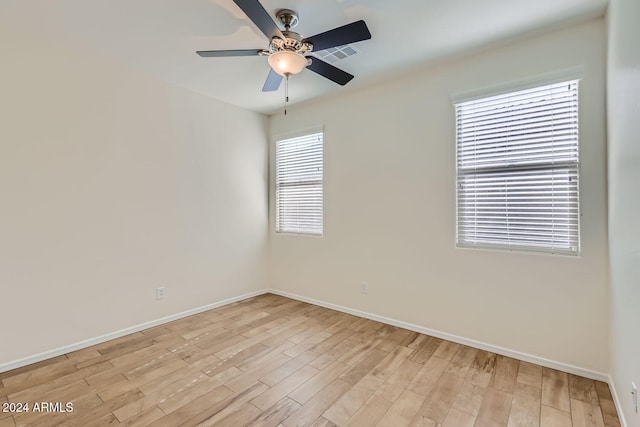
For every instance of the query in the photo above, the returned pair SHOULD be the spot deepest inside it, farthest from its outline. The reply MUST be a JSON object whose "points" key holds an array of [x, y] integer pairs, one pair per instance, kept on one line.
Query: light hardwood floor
{"points": [[270, 361]]}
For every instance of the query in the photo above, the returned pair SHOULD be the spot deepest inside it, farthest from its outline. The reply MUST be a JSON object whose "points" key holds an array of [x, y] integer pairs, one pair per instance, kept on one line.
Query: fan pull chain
{"points": [[286, 93]]}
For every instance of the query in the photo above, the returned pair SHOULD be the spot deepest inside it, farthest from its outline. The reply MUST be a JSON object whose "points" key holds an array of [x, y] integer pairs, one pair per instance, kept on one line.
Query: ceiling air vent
{"points": [[334, 54]]}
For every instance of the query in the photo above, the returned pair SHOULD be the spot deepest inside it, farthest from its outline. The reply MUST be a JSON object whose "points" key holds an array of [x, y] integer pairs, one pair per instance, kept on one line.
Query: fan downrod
{"points": [[288, 18]]}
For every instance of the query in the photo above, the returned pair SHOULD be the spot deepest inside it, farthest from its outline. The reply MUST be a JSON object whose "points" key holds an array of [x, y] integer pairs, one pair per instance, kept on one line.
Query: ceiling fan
{"points": [[288, 52]]}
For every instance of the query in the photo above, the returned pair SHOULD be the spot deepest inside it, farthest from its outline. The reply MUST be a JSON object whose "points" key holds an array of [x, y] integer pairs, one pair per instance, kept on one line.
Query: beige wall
{"points": [[390, 211], [111, 185], [623, 117]]}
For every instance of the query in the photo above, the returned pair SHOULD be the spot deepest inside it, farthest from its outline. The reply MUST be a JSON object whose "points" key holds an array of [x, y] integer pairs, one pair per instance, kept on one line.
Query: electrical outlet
{"points": [[634, 396], [160, 292], [364, 288]]}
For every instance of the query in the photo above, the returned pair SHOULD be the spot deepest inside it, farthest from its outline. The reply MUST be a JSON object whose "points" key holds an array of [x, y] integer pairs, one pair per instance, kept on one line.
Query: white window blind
{"points": [[299, 185], [517, 170]]}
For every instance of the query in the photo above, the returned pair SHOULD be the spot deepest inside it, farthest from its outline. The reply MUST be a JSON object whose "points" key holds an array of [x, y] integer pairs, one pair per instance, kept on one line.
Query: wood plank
{"points": [[292, 327], [307, 344], [403, 410], [436, 406], [461, 361], [413, 341], [333, 354], [457, 418], [245, 414], [145, 417], [356, 354], [82, 408], [276, 414], [331, 341], [583, 389], [422, 421], [209, 401], [318, 382], [609, 413], [425, 350], [222, 364], [469, 397], [482, 368], [399, 380], [276, 348], [125, 345], [323, 422], [602, 390], [555, 389], [244, 349], [288, 368], [6, 418], [187, 392], [530, 374], [188, 373], [391, 363], [278, 391], [180, 388], [446, 350], [40, 375], [213, 344], [83, 355], [506, 374], [235, 410], [370, 413], [50, 390], [4, 414], [552, 417], [370, 327], [393, 340], [357, 325], [347, 406], [32, 367], [585, 414], [247, 379], [495, 408], [314, 408], [313, 334], [525, 408], [83, 417], [362, 368], [428, 377], [160, 371]]}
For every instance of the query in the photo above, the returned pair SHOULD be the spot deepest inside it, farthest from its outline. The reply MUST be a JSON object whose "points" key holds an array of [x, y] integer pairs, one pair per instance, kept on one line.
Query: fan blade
{"points": [[273, 81], [350, 33], [223, 53], [329, 71], [254, 10]]}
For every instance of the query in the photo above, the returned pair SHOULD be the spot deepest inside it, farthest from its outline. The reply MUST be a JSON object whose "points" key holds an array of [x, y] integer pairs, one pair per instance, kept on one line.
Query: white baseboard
{"points": [[616, 401], [117, 334], [576, 370]]}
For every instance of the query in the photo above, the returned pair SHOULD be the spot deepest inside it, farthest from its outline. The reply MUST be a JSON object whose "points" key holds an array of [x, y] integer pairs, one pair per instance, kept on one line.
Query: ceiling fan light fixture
{"points": [[286, 62]]}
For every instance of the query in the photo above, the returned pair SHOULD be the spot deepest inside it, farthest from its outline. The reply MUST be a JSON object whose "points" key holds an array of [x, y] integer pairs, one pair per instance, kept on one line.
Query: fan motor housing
{"points": [[292, 41]]}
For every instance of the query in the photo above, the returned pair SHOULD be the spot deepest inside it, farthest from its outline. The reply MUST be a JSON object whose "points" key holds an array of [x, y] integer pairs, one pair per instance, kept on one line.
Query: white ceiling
{"points": [[160, 37]]}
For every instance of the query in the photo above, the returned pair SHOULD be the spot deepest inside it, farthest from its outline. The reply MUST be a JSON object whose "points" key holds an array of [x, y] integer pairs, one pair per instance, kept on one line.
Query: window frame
{"points": [[278, 139], [510, 89]]}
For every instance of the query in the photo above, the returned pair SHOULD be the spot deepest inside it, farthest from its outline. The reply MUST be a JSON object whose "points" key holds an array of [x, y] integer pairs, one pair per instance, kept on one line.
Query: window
{"points": [[299, 185], [517, 170]]}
